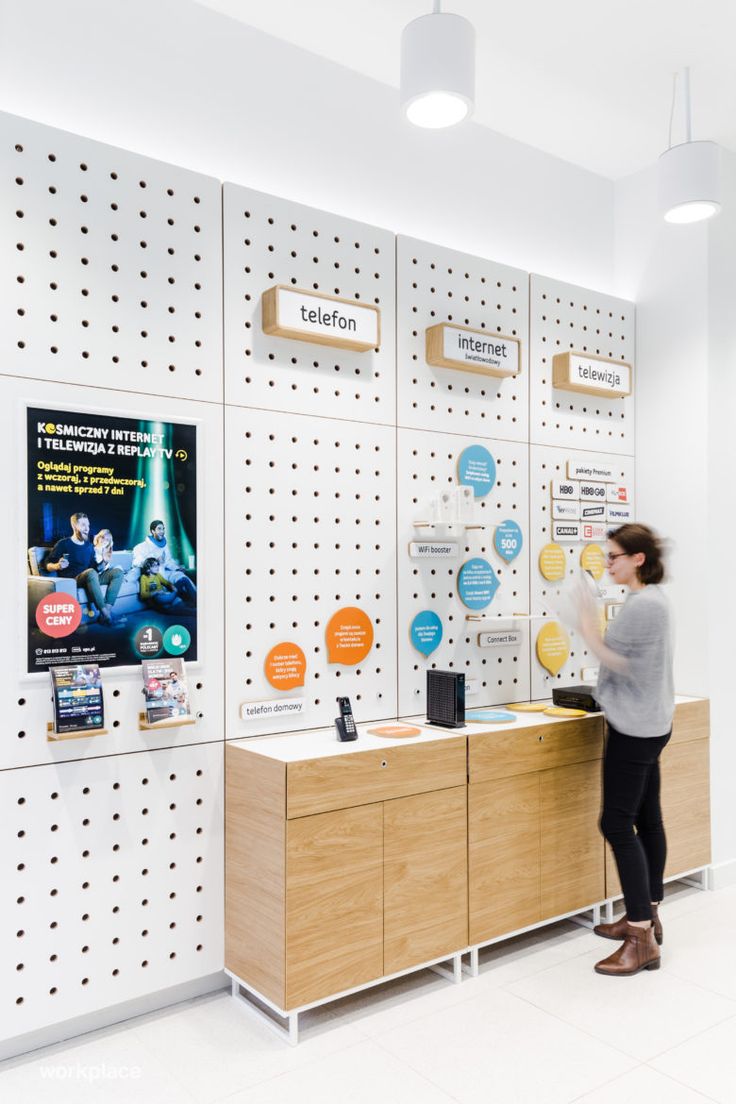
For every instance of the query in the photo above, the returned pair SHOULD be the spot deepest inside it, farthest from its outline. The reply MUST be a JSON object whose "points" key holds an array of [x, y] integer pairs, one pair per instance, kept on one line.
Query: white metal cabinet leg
{"points": [[293, 1028]]}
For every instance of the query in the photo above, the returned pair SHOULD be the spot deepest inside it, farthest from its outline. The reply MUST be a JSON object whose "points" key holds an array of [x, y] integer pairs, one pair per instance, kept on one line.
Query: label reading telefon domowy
{"points": [[284, 707]]}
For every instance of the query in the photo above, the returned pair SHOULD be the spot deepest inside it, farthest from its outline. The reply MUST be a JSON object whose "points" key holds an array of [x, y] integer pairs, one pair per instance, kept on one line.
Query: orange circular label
{"points": [[285, 666], [349, 636], [395, 731]]}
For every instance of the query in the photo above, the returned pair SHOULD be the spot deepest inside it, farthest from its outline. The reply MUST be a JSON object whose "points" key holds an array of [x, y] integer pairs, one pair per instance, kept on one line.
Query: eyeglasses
{"points": [[611, 556]]}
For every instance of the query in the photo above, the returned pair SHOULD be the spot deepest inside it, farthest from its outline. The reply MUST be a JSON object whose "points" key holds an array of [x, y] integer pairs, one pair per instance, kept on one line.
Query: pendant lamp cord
{"points": [[685, 75], [672, 109], [436, 7]]}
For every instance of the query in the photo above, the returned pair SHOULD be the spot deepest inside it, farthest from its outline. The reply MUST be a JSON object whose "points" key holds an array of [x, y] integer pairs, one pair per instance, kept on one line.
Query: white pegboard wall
{"points": [[433, 285], [28, 697], [112, 877], [112, 269], [563, 318], [546, 464], [271, 241], [311, 519], [427, 465]]}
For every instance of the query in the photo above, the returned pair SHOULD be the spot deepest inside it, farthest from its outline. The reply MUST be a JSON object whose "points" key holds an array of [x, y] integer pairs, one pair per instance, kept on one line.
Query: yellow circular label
{"points": [[553, 647], [552, 562], [593, 559], [527, 707], [563, 711]]}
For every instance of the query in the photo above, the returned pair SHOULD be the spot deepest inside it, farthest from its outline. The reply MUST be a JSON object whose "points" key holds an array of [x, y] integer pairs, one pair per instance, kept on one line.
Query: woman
{"points": [[636, 693]]}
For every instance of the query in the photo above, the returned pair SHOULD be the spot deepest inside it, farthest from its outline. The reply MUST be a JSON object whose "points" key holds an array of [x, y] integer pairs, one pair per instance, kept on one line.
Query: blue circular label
{"points": [[176, 640], [477, 469], [426, 632], [508, 540], [477, 584]]}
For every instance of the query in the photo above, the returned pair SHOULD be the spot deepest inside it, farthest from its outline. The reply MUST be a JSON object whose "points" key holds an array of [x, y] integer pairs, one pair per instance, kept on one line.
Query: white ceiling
{"points": [[586, 81]]}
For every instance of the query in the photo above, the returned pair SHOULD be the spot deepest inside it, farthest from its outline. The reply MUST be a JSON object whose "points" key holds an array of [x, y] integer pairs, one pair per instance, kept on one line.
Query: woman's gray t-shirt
{"points": [[640, 702]]}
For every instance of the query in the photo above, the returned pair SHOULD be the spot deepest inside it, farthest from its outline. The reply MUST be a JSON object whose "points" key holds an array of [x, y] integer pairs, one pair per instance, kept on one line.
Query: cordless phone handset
{"points": [[345, 723]]}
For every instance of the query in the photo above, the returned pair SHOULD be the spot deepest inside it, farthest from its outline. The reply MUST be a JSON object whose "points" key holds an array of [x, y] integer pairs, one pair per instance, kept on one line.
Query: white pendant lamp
{"points": [[437, 69], [689, 174]]}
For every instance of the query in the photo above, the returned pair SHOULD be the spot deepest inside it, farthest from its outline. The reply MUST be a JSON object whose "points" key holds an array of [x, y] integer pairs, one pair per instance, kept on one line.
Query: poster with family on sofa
{"points": [[112, 539]]}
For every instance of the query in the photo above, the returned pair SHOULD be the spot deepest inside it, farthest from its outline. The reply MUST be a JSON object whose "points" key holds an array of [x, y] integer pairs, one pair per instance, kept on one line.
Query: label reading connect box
{"points": [[500, 638]]}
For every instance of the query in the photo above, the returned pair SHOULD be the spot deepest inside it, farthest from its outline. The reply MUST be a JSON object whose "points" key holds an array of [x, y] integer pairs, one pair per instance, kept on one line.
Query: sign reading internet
{"points": [[320, 319], [593, 375], [490, 354]]}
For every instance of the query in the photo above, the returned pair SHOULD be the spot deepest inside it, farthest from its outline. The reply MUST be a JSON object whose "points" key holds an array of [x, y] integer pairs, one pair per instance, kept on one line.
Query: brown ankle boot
{"points": [[638, 951], [617, 930]]}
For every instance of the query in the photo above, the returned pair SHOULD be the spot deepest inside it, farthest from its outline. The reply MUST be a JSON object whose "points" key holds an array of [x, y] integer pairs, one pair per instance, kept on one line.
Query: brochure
{"points": [[78, 702], [166, 689]]}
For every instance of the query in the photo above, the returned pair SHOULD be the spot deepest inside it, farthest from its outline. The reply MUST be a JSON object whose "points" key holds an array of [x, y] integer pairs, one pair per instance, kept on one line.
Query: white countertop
{"points": [[321, 743]]}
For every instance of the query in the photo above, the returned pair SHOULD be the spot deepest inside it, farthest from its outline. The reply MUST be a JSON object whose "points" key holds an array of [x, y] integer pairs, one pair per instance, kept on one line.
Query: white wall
{"points": [[176, 81], [683, 279]]}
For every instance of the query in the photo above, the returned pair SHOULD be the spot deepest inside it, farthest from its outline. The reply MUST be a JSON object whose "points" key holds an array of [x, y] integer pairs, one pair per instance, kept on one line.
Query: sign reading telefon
{"points": [[320, 319]]}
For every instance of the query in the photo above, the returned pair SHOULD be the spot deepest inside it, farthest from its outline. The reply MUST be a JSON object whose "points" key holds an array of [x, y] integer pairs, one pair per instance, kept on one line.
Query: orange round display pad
{"points": [[285, 666], [349, 636], [527, 707], [395, 732]]}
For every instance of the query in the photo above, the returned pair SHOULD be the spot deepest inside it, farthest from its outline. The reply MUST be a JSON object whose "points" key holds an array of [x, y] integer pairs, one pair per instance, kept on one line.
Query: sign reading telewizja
{"points": [[320, 319], [592, 375]]}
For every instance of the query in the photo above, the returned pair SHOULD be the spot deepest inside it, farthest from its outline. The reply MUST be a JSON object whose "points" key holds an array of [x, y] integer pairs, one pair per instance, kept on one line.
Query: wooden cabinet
{"points": [[685, 772], [334, 906], [534, 849], [343, 869], [425, 877], [572, 856]]}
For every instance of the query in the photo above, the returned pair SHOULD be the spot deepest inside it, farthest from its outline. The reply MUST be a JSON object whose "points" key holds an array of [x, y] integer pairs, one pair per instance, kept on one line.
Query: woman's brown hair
{"points": [[640, 538]]}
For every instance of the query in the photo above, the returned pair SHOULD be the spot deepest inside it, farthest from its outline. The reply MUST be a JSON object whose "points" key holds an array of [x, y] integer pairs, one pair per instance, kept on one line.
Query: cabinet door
{"points": [[686, 805], [425, 877], [503, 856], [572, 846], [685, 809], [334, 902]]}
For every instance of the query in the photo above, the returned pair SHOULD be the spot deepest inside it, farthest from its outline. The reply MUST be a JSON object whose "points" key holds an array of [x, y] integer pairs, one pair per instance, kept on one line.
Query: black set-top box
{"points": [[446, 698], [576, 697]]}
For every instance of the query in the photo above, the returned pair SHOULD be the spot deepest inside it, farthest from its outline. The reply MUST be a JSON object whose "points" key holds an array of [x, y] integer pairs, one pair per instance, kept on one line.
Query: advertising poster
{"points": [[111, 539]]}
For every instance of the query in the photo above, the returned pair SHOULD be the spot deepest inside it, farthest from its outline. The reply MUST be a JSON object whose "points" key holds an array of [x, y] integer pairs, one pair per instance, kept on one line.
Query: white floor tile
{"points": [[363, 1074], [399, 1002], [217, 1047], [706, 1063], [114, 1067], [641, 1015], [642, 1085], [700, 947], [525, 955], [498, 1048]]}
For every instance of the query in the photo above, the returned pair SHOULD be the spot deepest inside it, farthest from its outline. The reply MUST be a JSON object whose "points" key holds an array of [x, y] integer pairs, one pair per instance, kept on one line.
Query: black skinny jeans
{"points": [[632, 818]]}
